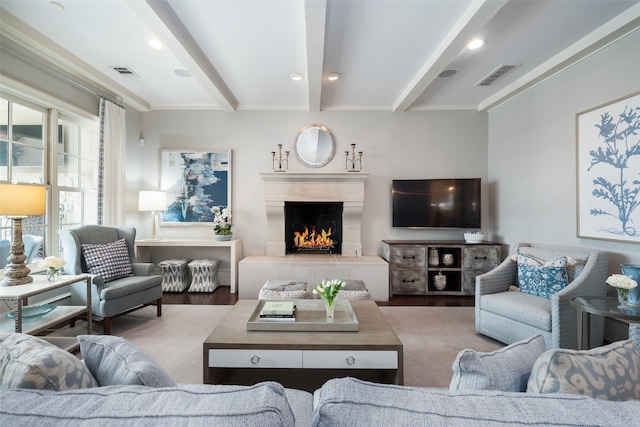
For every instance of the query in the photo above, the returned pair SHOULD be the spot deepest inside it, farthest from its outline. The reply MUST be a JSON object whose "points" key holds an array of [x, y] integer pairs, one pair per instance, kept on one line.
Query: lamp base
{"points": [[16, 271]]}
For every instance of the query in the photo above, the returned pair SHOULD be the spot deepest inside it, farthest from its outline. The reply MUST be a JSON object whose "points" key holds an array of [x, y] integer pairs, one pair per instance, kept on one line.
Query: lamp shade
{"points": [[22, 200], [152, 201]]}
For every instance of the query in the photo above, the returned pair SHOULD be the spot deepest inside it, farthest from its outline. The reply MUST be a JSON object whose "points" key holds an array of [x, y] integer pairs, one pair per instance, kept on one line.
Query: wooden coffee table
{"points": [[303, 360]]}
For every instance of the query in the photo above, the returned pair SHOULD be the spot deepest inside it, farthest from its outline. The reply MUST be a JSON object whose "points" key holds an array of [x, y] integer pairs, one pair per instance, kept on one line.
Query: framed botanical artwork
{"points": [[195, 181], [608, 141]]}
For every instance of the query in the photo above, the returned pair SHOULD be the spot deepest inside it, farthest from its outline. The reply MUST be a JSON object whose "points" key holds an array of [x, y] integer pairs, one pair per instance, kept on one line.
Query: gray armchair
{"points": [[510, 316], [116, 297]]}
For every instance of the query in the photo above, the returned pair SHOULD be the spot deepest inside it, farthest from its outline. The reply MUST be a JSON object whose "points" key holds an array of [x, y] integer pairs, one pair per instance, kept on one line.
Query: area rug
{"points": [[432, 337]]}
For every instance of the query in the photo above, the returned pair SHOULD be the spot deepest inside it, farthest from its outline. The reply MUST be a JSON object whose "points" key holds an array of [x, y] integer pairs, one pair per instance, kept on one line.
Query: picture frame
{"points": [[195, 181], [608, 170]]}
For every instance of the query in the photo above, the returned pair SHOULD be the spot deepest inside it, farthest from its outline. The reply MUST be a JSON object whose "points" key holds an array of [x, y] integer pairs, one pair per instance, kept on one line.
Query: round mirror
{"points": [[315, 146]]}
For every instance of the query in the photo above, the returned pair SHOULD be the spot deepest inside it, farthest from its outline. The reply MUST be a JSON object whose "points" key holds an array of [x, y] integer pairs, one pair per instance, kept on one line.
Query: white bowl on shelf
{"points": [[474, 237]]}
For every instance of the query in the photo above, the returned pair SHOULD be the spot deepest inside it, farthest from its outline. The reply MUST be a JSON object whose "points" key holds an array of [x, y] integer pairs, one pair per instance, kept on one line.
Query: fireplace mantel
{"points": [[345, 187], [314, 177]]}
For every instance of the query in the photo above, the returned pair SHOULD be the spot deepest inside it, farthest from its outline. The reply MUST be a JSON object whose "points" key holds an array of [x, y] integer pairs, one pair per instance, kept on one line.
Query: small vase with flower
{"points": [[54, 267], [622, 284]]}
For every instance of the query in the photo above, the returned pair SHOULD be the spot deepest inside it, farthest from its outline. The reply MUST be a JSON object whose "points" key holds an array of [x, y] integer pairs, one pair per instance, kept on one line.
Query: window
{"points": [[66, 161]]}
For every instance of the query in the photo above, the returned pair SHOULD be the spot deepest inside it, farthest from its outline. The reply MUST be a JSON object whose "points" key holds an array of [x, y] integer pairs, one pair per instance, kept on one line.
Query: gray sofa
{"points": [[126, 388]]}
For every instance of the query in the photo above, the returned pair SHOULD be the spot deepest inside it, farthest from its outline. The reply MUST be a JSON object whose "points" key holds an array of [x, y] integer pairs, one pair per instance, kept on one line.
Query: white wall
{"points": [[424, 144], [532, 156], [532, 151]]}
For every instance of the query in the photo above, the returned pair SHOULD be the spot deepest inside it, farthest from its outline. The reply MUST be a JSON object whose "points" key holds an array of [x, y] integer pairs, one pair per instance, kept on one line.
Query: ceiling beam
{"points": [[164, 22], [49, 54], [623, 24], [315, 16], [473, 19]]}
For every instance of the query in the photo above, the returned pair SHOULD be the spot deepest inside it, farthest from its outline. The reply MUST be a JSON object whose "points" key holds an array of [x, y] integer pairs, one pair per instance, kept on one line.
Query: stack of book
{"points": [[278, 311]]}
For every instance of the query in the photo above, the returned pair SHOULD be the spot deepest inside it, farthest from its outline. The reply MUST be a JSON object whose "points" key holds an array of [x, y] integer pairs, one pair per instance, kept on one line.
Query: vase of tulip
{"points": [[329, 290]]}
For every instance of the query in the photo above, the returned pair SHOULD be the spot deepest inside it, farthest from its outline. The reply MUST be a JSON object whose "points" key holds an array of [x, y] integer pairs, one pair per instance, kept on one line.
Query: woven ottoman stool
{"points": [[175, 275], [283, 289], [354, 289], [203, 275]]}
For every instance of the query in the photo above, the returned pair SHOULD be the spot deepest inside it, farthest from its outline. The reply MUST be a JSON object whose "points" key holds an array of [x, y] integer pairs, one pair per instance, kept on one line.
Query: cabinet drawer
{"points": [[408, 256], [226, 358], [345, 359], [481, 257], [409, 281]]}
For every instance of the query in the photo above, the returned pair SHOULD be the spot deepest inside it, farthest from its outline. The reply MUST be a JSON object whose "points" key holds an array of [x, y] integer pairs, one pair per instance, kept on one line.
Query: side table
{"points": [[601, 306], [19, 295]]}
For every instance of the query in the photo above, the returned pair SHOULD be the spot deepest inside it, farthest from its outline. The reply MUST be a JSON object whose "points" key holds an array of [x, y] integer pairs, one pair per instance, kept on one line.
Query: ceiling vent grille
{"points": [[124, 71], [496, 75]]}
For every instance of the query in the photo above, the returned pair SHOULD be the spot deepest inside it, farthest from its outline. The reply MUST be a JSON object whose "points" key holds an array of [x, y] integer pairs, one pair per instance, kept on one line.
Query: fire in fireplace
{"points": [[313, 227]]}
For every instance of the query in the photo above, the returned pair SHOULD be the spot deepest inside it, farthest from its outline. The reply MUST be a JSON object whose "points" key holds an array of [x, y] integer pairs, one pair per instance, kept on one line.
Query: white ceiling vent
{"points": [[124, 71], [496, 75]]}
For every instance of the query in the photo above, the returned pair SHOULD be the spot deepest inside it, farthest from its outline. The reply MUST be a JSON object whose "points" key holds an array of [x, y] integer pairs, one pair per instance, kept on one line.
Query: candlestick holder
{"points": [[280, 162], [352, 163]]}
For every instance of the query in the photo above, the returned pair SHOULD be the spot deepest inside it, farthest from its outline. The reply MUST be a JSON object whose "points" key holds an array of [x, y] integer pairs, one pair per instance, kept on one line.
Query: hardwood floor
{"points": [[222, 296]]}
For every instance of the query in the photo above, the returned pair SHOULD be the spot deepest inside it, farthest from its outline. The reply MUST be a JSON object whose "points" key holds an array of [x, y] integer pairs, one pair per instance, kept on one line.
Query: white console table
{"points": [[144, 251]]}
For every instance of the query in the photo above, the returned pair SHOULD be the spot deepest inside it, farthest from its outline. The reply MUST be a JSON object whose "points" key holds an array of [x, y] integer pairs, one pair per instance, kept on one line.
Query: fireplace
{"points": [[313, 227], [346, 189]]}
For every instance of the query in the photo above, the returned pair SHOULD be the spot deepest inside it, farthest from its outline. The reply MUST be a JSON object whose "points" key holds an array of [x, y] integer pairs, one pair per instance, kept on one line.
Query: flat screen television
{"points": [[436, 203]]}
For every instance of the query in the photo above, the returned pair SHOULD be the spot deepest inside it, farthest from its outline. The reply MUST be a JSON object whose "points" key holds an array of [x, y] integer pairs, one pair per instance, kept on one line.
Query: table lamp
{"points": [[17, 201], [152, 201]]}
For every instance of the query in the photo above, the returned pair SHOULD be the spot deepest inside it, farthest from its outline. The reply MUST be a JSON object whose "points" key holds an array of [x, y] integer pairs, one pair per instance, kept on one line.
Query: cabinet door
{"points": [[469, 281], [409, 281], [481, 257], [408, 256]]}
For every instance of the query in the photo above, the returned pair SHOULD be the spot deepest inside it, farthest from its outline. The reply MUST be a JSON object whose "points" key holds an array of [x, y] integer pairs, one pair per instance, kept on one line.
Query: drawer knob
{"points": [[255, 360], [351, 360]]}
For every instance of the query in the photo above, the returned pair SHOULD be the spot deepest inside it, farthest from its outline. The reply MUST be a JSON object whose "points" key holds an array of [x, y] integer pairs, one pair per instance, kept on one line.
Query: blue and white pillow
{"points": [[110, 261], [31, 362], [540, 278]]}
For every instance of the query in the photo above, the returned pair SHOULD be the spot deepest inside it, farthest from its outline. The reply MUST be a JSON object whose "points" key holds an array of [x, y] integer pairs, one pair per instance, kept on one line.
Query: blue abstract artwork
{"points": [[609, 171], [195, 181]]}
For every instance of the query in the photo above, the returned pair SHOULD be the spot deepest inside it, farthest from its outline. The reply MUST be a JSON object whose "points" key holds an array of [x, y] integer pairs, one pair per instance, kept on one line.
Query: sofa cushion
{"points": [[110, 261], [506, 369], [610, 372], [540, 278], [113, 361], [352, 402], [30, 362], [263, 404], [526, 308]]}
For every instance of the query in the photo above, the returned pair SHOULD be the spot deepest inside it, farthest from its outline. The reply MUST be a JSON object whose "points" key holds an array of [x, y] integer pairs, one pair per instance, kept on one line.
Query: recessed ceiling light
{"points": [[182, 72], [475, 44], [333, 76], [296, 77], [448, 72], [57, 6], [156, 44]]}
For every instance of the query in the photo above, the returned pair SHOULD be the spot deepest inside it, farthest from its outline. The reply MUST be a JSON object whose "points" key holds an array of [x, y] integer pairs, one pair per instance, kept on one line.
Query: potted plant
{"points": [[222, 223]]}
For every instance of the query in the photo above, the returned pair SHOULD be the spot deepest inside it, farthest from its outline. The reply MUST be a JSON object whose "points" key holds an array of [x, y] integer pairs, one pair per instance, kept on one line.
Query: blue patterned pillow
{"points": [[30, 362], [541, 278], [110, 261], [609, 372]]}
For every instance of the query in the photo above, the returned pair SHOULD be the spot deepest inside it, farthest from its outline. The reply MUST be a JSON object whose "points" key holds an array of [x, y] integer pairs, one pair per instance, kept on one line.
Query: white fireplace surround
{"points": [[345, 187]]}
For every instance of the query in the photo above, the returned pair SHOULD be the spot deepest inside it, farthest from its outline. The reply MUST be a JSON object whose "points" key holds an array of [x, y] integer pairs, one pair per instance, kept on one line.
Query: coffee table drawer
{"points": [[346, 359], [221, 358]]}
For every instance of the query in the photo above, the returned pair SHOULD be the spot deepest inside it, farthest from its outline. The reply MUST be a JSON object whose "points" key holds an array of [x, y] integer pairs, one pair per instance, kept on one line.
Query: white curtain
{"points": [[111, 173]]}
